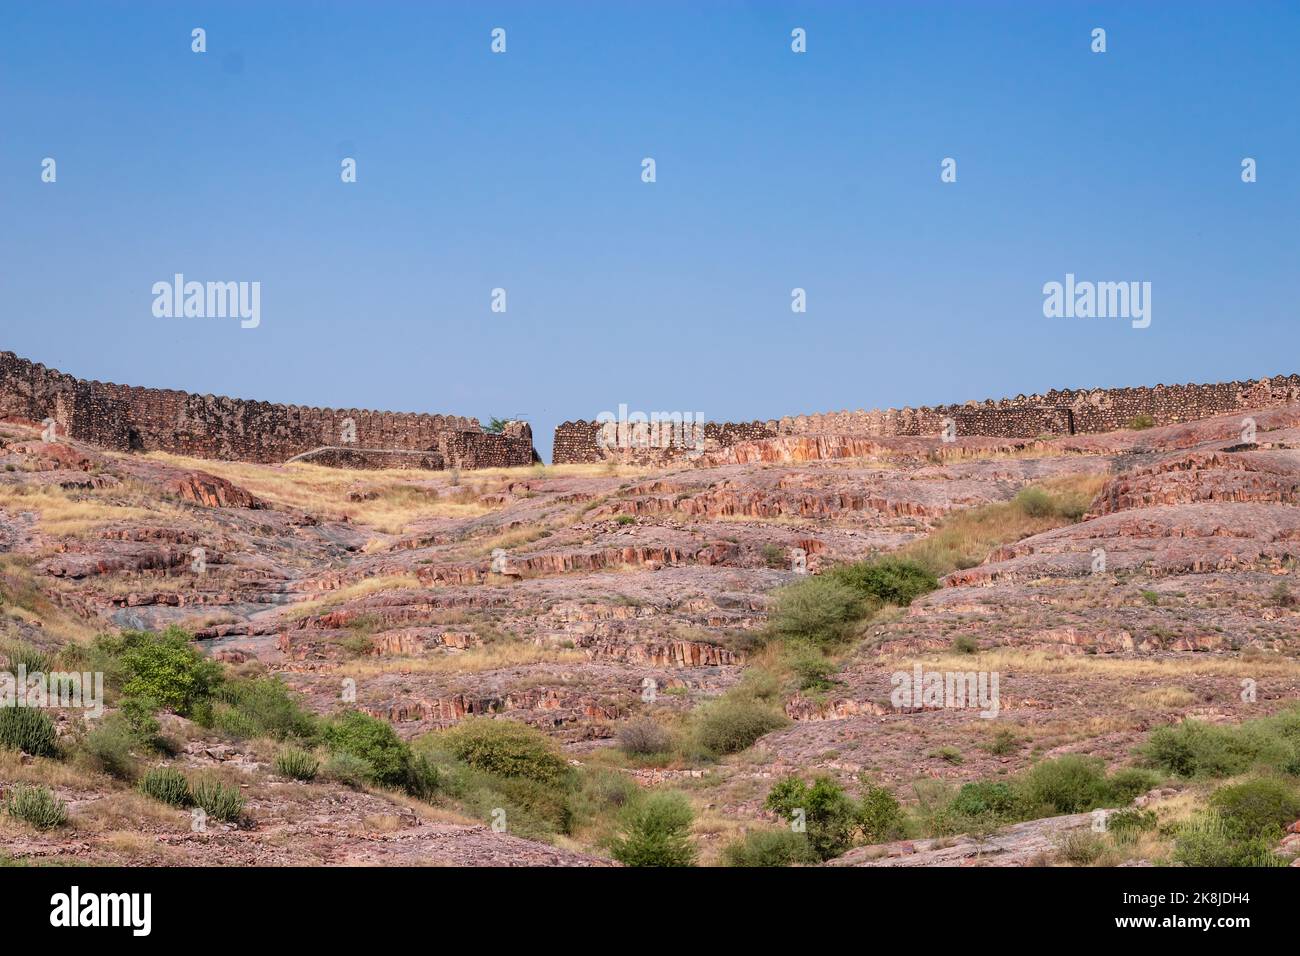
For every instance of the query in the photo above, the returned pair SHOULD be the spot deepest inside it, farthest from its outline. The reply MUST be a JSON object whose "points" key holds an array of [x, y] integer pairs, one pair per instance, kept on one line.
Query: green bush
{"points": [[644, 736], [263, 707], [1195, 749], [166, 669], [656, 832], [22, 654], [218, 801], [296, 764], [1131, 782], [36, 806], [391, 762], [1257, 808], [829, 816], [348, 770], [29, 730], [1206, 840], [985, 800], [506, 748], [819, 610], [966, 644], [111, 747], [1141, 422], [887, 580], [1035, 502], [1069, 784], [731, 724], [167, 785], [811, 667], [770, 848], [1082, 847], [879, 815]]}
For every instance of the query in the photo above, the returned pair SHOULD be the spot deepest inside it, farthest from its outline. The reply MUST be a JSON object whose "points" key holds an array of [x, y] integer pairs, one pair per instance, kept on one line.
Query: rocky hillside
{"points": [[654, 630]]}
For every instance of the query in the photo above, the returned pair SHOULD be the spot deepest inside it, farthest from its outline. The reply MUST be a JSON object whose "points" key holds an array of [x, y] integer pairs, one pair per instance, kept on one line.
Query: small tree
{"points": [[827, 813], [656, 832]]}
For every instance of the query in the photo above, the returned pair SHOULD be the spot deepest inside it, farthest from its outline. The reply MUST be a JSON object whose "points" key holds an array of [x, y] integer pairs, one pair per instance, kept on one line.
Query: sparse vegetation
{"points": [[764, 848], [36, 806], [28, 729], [1140, 422], [296, 764], [218, 801], [168, 786]]}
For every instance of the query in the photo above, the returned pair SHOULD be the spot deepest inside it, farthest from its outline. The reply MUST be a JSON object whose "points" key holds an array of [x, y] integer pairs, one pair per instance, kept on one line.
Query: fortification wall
{"points": [[1058, 412], [130, 418]]}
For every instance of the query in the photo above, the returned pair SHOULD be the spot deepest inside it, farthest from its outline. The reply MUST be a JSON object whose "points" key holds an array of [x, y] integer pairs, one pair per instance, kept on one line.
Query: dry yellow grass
{"points": [[390, 582], [965, 538], [403, 496], [81, 513], [476, 660], [1088, 665]]}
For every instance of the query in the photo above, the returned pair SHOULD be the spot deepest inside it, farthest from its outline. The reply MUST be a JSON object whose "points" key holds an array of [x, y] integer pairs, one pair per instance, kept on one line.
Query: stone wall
{"points": [[129, 418], [1058, 412]]}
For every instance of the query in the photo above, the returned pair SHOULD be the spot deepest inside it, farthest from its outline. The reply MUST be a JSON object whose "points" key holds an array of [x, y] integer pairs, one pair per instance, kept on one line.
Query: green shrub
{"points": [[296, 764], [887, 580], [985, 799], [348, 770], [775, 556], [730, 725], [218, 800], [1195, 749], [948, 755], [879, 815], [111, 747], [819, 610], [1082, 847], [24, 655], [1131, 782], [1141, 422], [166, 669], [506, 748], [656, 832], [1131, 821], [29, 730], [1003, 744], [812, 669], [1257, 808], [770, 848], [1035, 502], [1206, 840], [269, 708], [1069, 784], [965, 644], [644, 736], [828, 815], [167, 785], [36, 806], [391, 762]]}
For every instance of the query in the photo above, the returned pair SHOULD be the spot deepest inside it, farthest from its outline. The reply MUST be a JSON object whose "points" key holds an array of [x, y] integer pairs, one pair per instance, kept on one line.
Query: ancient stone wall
{"points": [[1058, 412], [126, 418]]}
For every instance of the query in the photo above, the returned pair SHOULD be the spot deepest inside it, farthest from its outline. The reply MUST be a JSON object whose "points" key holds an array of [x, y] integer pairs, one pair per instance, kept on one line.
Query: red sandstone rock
{"points": [[210, 491]]}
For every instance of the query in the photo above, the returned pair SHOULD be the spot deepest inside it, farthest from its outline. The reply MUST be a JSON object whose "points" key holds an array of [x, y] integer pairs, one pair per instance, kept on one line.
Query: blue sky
{"points": [[775, 170]]}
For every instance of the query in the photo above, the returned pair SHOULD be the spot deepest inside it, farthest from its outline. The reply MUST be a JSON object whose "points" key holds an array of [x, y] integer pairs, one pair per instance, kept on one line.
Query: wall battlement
{"points": [[132, 418], [1058, 412]]}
